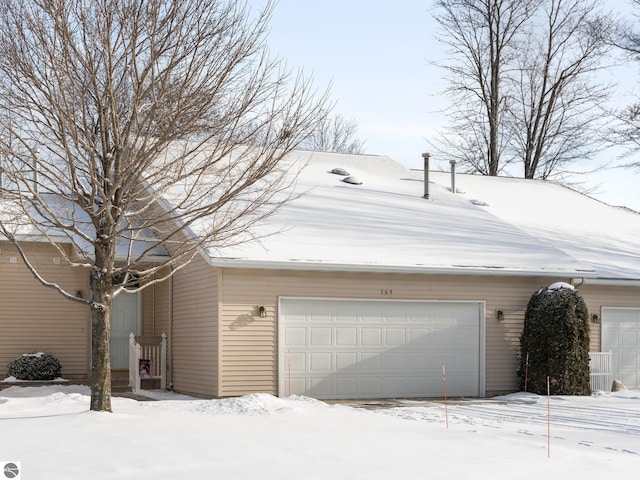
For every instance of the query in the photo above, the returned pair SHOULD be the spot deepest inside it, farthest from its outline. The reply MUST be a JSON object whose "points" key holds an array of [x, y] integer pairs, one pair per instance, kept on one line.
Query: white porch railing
{"points": [[600, 369], [147, 359]]}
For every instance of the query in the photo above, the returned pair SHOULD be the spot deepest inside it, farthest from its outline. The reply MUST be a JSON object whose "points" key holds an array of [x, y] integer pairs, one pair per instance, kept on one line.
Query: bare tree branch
{"points": [[523, 85], [138, 133], [557, 113], [626, 130], [335, 134], [482, 37]]}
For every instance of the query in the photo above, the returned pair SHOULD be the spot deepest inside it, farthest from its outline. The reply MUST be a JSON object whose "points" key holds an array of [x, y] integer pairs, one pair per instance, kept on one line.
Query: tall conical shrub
{"points": [[555, 339]]}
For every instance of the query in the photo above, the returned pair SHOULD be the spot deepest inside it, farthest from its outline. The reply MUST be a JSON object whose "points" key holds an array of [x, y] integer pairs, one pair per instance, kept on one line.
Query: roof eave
{"points": [[39, 238], [410, 269]]}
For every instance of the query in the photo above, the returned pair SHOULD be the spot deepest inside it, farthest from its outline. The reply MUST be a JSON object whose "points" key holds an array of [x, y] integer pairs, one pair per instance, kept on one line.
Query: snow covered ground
{"points": [[53, 435]]}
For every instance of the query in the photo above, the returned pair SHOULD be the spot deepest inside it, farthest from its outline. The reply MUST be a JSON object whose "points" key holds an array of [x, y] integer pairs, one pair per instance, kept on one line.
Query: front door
{"points": [[124, 320]]}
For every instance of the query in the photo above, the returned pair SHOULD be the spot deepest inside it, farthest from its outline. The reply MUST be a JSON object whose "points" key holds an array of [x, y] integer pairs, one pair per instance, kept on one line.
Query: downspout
{"points": [[153, 302], [170, 361], [219, 307], [578, 282], [426, 157]]}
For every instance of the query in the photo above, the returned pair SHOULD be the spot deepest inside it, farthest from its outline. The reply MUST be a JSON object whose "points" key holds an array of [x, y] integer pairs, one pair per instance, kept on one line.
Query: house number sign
{"points": [[386, 291]]}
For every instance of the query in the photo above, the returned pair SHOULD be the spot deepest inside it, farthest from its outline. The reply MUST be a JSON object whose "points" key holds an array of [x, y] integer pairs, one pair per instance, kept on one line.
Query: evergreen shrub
{"points": [[555, 339], [35, 366]]}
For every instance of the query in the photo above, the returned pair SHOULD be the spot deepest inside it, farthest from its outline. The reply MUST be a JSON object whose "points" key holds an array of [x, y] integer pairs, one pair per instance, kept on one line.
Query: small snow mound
{"points": [[559, 285], [302, 400], [629, 394], [620, 394], [253, 404], [45, 391], [519, 397], [13, 379], [66, 397]]}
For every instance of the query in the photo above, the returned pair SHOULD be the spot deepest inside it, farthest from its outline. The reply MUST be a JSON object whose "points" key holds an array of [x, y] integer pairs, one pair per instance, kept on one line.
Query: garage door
{"points": [[338, 349], [621, 336]]}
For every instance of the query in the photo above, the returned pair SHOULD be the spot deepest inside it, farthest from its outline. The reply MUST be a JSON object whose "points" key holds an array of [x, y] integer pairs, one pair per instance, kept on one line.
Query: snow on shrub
{"points": [[35, 366], [555, 339]]}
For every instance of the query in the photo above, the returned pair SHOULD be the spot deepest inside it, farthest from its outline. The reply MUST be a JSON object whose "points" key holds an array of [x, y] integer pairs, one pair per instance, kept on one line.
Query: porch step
{"points": [[120, 381], [120, 389]]}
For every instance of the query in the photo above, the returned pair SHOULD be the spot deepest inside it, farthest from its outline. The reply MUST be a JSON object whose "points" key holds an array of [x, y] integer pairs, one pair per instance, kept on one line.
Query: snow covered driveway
{"points": [[52, 435]]}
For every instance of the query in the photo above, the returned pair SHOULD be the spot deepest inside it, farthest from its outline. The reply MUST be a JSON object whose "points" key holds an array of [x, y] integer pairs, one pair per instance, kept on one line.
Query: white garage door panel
{"points": [[621, 336], [373, 349]]}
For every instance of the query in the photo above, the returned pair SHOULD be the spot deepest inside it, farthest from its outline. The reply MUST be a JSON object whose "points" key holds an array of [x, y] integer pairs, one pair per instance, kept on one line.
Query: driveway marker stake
{"points": [[548, 419], [444, 382]]}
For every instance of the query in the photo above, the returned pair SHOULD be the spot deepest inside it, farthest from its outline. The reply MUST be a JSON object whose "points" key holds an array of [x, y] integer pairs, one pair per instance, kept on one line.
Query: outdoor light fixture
{"points": [[262, 312], [500, 315], [595, 318]]}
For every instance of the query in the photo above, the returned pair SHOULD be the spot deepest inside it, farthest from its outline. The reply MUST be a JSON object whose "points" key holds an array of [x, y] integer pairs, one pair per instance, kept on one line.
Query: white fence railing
{"points": [[147, 359], [600, 369]]}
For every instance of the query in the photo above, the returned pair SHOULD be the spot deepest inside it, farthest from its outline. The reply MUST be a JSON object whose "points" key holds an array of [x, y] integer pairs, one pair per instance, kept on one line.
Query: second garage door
{"points": [[621, 336], [339, 349]]}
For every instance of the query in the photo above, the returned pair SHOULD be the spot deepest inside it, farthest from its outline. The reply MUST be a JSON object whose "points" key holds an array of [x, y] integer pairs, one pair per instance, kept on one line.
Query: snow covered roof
{"points": [[35, 228], [385, 224], [379, 221], [592, 232]]}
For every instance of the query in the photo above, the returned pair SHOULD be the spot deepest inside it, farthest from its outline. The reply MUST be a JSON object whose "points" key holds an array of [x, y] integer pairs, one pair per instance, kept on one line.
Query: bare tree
{"points": [[556, 115], [523, 83], [127, 133], [482, 37], [335, 134], [627, 130]]}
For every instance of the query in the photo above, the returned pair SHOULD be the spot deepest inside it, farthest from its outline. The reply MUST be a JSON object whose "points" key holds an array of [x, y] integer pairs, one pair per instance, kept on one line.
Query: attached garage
{"points": [[621, 336], [340, 349]]}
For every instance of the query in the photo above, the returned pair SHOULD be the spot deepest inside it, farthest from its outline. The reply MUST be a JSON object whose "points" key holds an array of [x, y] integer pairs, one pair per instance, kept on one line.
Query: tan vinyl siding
{"points": [[249, 350], [36, 318], [156, 308], [194, 353]]}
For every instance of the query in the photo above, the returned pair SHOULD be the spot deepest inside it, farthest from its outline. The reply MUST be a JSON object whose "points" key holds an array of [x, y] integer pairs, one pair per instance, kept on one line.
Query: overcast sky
{"points": [[375, 55]]}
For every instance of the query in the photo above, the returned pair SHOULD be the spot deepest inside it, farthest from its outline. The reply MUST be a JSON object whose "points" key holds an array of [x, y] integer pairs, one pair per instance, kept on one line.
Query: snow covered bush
{"points": [[555, 342], [35, 366]]}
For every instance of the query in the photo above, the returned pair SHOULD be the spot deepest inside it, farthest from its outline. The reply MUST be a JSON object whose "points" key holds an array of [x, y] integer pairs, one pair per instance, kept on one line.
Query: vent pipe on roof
{"points": [[425, 157], [453, 175]]}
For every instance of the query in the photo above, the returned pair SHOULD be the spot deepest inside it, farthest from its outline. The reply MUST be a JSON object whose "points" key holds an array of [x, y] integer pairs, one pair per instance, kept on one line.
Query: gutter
{"points": [[605, 282], [418, 269], [39, 238]]}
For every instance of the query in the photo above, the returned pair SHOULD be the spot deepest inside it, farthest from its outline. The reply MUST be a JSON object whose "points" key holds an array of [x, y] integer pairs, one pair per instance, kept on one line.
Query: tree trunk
{"points": [[101, 353], [495, 66]]}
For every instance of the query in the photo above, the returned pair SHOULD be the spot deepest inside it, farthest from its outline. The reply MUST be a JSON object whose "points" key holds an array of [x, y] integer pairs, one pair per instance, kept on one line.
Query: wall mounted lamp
{"points": [[500, 315], [595, 318], [262, 312]]}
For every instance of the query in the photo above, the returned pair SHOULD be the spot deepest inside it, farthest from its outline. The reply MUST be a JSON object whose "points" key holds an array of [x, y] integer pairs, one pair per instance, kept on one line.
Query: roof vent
{"points": [[352, 180], [340, 171]]}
